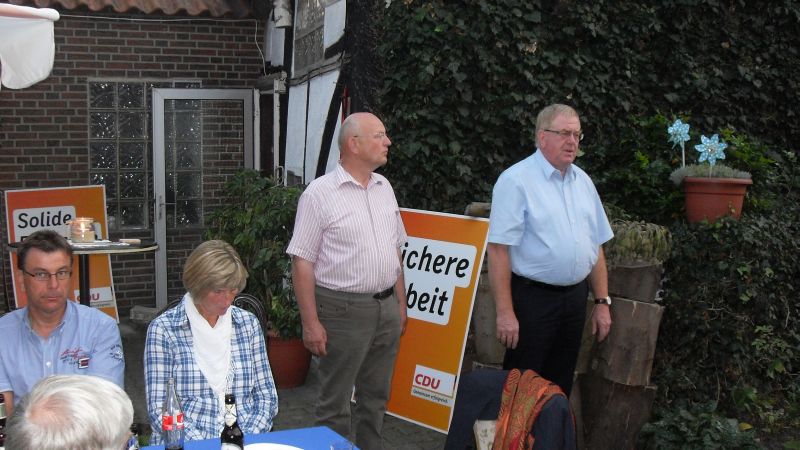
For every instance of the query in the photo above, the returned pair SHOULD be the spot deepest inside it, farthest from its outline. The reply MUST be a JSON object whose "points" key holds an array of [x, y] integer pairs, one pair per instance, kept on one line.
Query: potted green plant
{"points": [[712, 190], [289, 358], [257, 220], [635, 258]]}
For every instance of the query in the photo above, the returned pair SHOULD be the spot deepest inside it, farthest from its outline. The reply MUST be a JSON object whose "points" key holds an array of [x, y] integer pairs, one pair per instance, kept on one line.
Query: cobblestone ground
{"points": [[297, 411]]}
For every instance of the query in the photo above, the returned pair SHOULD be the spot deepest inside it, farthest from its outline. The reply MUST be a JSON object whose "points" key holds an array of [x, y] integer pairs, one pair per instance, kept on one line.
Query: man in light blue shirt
{"points": [[546, 231], [52, 335]]}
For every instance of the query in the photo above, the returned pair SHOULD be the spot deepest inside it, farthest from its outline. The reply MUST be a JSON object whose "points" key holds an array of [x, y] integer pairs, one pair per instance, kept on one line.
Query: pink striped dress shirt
{"points": [[350, 233]]}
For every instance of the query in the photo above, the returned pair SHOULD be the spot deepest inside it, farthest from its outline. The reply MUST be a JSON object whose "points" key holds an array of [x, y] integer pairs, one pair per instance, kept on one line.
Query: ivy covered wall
{"points": [[465, 79]]}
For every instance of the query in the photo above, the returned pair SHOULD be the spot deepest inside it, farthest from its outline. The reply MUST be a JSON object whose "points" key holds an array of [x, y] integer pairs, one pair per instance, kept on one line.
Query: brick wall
{"points": [[43, 128]]}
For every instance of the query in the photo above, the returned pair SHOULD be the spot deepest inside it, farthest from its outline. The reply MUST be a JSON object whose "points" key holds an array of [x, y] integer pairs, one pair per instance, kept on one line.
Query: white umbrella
{"points": [[26, 44]]}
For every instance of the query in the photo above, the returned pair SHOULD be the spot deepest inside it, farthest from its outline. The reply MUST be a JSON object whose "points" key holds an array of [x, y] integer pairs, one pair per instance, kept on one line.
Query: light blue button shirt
{"points": [[553, 225], [86, 342]]}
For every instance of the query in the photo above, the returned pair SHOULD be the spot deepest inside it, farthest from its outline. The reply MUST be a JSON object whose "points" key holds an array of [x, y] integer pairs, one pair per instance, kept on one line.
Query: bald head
{"points": [[363, 144], [352, 126]]}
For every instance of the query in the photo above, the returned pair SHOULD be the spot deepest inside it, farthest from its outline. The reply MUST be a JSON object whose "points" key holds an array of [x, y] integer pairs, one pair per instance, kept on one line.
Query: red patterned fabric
{"points": [[524, 395]]}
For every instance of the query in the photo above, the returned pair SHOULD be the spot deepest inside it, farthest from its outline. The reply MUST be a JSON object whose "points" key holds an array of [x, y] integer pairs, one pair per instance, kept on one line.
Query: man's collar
{"points": [[69, 314], [343, 176], [548, 169]]}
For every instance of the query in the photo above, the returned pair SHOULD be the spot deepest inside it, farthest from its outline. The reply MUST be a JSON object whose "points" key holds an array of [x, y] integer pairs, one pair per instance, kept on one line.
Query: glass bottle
{"points": [[2, 422], [232, 437], [172, 419], [2, 410]]}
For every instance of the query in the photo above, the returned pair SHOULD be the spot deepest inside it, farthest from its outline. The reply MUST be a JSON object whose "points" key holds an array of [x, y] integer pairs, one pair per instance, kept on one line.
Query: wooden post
{"points": [[488, 349], [635, 282], [613, 413], [626, 355], [614, 399]]}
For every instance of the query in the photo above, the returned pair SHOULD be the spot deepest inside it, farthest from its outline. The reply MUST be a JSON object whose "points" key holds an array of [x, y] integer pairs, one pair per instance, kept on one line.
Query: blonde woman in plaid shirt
{"points": [[210, 348]]}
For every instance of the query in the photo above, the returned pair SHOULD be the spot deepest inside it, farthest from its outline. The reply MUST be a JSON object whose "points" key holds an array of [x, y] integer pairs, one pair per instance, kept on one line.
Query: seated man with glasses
{"points": [[52, 335]]}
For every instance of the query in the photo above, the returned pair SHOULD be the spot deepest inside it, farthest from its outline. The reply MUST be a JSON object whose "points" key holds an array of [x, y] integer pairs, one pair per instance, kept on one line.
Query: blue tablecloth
{"points": [[316, 438]]}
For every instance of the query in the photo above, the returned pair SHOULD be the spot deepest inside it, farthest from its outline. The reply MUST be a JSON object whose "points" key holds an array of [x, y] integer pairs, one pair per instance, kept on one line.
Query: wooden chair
{"points": [[252, 304], [172, 303]]}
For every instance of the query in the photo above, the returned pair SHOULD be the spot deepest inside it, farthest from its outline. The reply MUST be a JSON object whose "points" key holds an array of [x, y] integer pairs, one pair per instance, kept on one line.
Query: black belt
{"points": [[383, 294], [539, 284]]}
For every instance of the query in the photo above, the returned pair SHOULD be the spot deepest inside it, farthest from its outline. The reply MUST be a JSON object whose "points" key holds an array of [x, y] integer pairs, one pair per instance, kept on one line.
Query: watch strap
{"points": [[602, 301]]}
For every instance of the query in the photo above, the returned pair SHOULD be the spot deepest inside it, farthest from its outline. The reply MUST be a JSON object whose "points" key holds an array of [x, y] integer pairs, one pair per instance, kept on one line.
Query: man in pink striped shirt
{"points": [[349, 282]]}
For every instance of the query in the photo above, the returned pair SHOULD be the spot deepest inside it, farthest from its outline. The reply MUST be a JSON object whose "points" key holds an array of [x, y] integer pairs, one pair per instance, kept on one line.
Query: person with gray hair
{"points": [[546, 233], [71, 412]]}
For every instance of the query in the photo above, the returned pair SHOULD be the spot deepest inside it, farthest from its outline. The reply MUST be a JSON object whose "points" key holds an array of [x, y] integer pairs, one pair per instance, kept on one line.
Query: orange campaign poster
{"points": [[441, 265], [29, 210]]}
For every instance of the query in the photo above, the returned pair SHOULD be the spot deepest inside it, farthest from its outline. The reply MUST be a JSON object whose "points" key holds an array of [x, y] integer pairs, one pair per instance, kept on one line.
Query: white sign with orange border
{"points": [[441, 265]]}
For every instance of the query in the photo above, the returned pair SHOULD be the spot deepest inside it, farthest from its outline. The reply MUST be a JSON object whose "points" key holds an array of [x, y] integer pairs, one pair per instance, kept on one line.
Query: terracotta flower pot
{"points": [[289, 361], [712, 198]]}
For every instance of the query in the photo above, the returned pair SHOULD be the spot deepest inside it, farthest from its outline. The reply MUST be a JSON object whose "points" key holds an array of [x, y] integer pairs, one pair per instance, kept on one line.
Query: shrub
{"points": [[257, 221], [696, 427], [465, 80], [634, 171], [729, 330]]}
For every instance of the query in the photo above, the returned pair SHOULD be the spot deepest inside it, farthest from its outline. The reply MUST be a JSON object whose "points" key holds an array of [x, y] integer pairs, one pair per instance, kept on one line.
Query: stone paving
{"points": [[297, 411]]}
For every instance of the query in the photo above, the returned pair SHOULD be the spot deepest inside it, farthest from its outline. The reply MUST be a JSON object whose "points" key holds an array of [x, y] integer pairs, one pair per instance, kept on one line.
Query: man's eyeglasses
{"points": [[378, 135], [566, 133], [45, 276]]}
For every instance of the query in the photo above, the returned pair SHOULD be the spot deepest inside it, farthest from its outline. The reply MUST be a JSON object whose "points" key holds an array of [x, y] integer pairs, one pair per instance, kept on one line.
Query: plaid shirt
{"points": [[168, 353]]}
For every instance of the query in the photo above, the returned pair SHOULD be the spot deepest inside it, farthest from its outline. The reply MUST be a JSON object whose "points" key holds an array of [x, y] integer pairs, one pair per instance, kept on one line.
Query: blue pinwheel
{"points": [[679, 135], [711, 149]]}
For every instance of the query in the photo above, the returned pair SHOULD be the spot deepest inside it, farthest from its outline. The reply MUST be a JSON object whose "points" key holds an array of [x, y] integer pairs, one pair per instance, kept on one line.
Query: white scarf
{"points": [[212, 346]]}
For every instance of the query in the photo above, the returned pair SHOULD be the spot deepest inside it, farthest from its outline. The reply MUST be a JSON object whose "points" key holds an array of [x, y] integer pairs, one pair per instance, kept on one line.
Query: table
{"points": [[83, 250], [316, 438]]}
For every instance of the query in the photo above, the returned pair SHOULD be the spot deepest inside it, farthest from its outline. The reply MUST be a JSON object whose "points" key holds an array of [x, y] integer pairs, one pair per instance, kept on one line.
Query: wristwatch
{"points": [[603, 301]]}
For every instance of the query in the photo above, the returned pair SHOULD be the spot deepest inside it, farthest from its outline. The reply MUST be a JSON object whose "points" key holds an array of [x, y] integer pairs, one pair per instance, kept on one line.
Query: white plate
{"points": [[268, 446]]}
